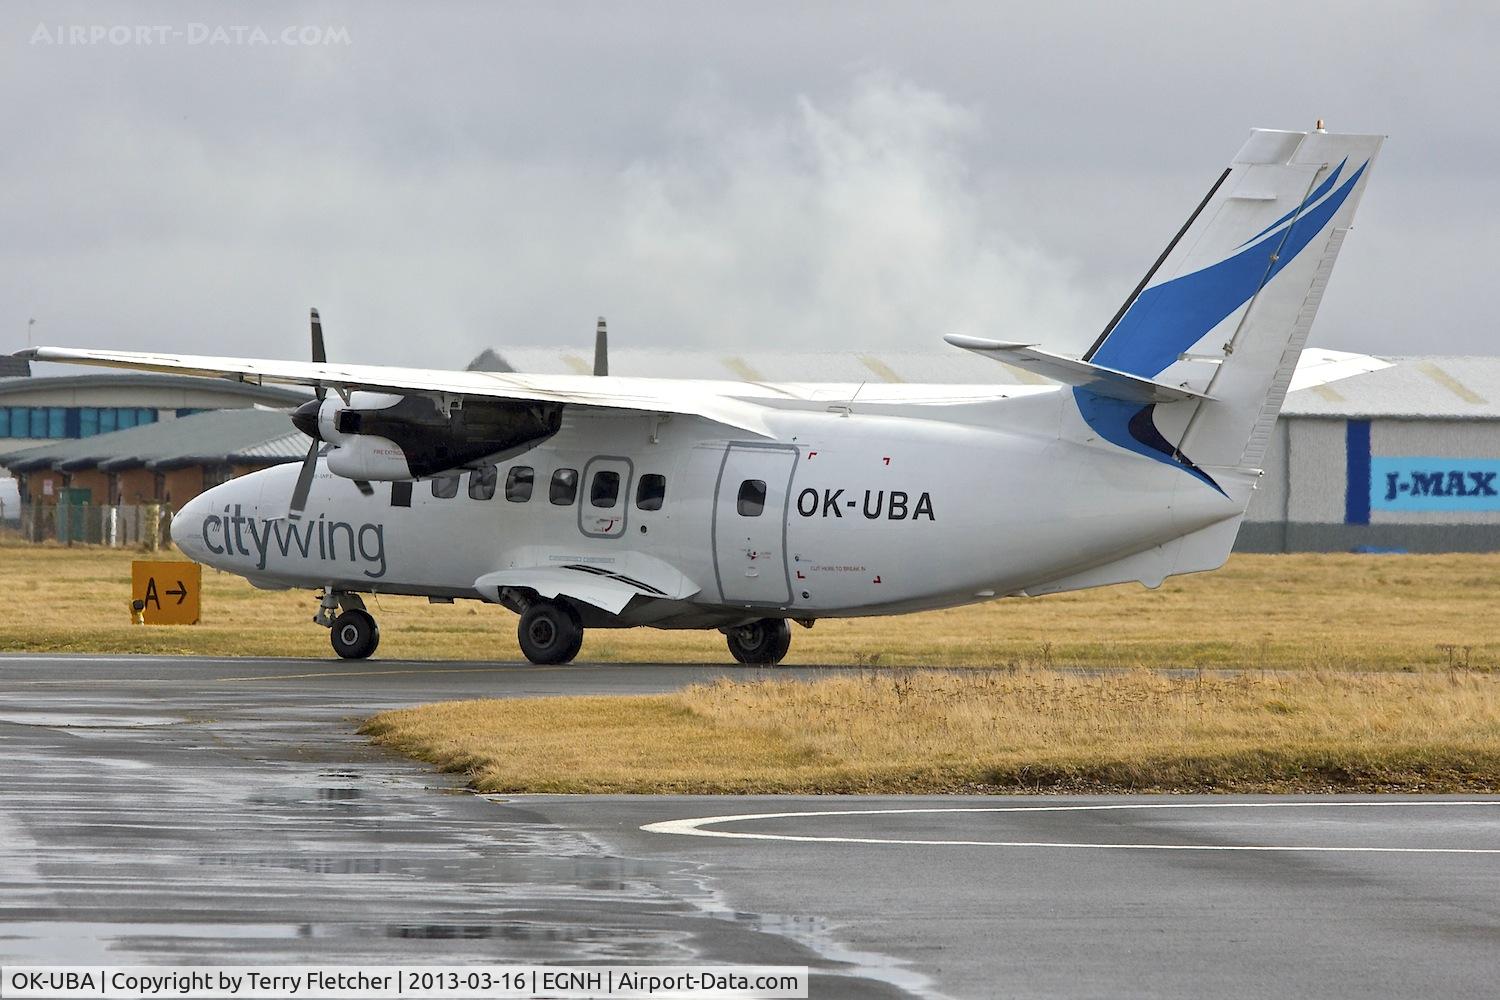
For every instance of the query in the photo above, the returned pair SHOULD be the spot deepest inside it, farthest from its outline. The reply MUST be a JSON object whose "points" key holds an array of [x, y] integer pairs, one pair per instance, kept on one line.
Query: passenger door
{"points": [[749, 526], [604, 504]]}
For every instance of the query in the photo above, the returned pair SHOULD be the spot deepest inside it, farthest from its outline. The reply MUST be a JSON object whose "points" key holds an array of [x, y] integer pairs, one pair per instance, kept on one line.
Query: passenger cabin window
{"points": [[650, 492], [752, 499], [518, 484], [605, 489], [564, 488], [401, 494], [482, 483], [445, 487]]}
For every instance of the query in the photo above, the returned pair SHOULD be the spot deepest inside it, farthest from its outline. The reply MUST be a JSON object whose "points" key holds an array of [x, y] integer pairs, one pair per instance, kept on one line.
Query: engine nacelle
{"points": [[369, 457], [383, 437]]}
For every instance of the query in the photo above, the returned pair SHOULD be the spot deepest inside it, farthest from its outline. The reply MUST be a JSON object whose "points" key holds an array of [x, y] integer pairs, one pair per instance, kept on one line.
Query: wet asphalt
{"points": [[174, 809]]}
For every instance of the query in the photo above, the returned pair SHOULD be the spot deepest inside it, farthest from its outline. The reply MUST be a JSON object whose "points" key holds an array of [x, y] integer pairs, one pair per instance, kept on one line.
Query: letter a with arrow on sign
{"points": [[165, 593]]}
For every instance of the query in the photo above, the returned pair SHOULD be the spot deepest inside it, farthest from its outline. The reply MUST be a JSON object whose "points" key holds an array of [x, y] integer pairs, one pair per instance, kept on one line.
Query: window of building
{"points": [[401, 494], [604, 491], [564, 488], [70, 421], [752, 498], [518, 483], [445, 486], [651, 491], [482, 483]]}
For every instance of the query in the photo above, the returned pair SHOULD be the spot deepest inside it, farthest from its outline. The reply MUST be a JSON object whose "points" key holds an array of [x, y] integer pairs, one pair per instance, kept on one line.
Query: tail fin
{"points": [[1226, 308]]}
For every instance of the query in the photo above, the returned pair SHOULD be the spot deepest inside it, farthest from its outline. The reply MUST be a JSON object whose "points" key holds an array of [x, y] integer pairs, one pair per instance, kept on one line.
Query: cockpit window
{"points": [[651, 491], [604, 491], [752, 498], [445, 486], [482, 483], [518, 483], [564, 488]]}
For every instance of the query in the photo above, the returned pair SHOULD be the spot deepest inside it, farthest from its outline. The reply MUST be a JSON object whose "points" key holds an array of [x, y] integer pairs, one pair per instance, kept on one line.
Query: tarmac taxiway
{"points": [[171, 809]]}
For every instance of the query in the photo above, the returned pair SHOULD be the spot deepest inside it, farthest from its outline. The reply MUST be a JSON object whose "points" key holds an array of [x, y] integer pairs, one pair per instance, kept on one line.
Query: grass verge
{"points": [[980, 732], [1307, 611]]}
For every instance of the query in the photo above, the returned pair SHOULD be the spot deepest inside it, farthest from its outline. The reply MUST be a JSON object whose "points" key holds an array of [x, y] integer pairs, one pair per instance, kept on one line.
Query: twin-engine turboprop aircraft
{"points": [[609, 502]]}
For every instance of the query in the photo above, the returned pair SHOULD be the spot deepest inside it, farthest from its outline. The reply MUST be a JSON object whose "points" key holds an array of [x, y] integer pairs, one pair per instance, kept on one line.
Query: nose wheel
{"points": [[354, 634], [352, 631], [549, 633], [762, 642]]}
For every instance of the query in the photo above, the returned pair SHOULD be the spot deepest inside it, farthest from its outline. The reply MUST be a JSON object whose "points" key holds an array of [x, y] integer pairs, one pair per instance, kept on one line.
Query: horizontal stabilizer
{"points": [[1070, 371]]}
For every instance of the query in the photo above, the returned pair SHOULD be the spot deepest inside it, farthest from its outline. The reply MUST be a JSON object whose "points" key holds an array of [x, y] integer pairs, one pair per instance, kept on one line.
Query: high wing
{"points": [[602, 392]]}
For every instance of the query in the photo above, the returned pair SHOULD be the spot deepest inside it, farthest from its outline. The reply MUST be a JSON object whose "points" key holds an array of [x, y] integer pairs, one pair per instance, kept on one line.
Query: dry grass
{"points": [[1266, 612], [981, 731]]}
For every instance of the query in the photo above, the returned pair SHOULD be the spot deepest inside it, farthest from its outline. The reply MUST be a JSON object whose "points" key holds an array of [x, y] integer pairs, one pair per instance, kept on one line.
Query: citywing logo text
{"points": [[330, 541], [1434, 484]]}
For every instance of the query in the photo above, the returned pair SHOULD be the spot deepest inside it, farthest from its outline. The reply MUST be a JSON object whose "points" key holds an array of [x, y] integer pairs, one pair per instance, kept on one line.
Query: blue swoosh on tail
{"points": [[1167, 319]]}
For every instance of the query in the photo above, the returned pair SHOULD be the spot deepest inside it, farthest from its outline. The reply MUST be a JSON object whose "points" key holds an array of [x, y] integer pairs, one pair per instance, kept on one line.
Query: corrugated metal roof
{"points": [[215, 436], [1438, 387], [946, 367], [1413, 388]]}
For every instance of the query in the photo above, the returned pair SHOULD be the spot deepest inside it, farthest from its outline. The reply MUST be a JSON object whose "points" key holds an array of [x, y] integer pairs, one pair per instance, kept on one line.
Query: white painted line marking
{"points": [[695, 827]]}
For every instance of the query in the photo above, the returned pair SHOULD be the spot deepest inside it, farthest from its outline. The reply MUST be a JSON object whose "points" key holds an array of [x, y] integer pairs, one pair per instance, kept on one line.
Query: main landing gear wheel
{"points": [[550, 633], [354, 634], [764, 642]]}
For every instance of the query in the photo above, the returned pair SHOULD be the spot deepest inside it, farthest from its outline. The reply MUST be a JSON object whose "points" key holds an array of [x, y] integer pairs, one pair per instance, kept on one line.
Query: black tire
{"points": [[549, 633], [764, 642], [354, 634]]}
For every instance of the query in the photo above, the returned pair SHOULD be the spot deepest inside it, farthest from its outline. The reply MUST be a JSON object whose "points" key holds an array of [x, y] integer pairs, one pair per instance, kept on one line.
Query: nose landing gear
{"points": [[352, 631]]}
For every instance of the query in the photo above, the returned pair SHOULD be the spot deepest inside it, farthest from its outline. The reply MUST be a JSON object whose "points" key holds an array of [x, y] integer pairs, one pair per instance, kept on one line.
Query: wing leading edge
{"points": [[602, 392]]}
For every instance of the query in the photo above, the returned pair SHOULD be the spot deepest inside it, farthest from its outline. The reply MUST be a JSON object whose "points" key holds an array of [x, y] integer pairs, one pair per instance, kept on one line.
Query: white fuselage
{"points": [[907, 499]]}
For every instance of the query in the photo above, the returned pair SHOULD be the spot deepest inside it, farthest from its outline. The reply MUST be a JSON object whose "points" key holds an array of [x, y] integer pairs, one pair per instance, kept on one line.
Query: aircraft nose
{"points": [[187, 527]]}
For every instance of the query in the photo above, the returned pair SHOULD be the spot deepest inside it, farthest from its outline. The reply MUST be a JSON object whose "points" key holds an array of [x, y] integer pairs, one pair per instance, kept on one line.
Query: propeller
{"points": [[601, 349], [308, 424], [306, 419]]}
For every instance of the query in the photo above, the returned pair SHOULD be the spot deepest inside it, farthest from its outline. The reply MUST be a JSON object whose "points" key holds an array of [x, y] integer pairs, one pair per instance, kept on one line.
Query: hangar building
{"points": [[1406, 458]]}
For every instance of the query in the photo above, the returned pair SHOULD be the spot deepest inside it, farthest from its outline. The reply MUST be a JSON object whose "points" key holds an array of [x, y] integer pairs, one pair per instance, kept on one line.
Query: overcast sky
{"points": [[442, 178]]}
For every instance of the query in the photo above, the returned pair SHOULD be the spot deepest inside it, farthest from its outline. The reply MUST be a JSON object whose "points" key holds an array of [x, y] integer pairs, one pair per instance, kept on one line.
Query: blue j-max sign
{"points": [[1434, 484], [1415, 482]]}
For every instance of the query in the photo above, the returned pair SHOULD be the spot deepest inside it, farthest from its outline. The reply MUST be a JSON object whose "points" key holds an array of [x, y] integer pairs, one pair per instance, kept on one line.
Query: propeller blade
{"points": [[601, 349], [319, 354], [364, 487], [304, 484]]}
